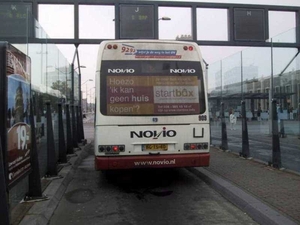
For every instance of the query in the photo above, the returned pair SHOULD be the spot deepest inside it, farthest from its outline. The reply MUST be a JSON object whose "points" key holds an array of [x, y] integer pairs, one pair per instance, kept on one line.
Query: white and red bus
{"points": [[151, 105]]}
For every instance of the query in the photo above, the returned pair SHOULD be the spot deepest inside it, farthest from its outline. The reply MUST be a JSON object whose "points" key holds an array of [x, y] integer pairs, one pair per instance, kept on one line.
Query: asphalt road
{"points": [[161, 196]]}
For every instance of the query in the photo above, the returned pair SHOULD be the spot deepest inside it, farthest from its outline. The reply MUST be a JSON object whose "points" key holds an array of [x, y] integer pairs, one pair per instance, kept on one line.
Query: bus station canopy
{"points": [[251, 96]]}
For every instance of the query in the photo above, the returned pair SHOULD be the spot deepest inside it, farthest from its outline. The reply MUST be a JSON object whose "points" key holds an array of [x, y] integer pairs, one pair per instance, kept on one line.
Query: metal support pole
{"points": [[69, 131], [299, 120], [271, 91], [224, 144], [86, 103], [4, 207], [73, 124], [276, 156], [79, 140], [61, 134], [245, 139], [51, 159], [81, 124], [210, 138]]}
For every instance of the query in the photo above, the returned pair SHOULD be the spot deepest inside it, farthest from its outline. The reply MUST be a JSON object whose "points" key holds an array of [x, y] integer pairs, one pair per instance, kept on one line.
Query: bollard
{"points": [[276, 156], [69, 131], [79, 140], [281, 124], [61, 134], [34, 179], [224, 144], [210, 139], [4, 207], [282, 132], [74, 131], [81, 125], [245, 138], [51, 159], [299, 120]]}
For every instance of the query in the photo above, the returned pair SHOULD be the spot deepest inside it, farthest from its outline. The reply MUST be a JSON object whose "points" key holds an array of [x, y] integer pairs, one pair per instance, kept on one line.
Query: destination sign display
{"points": [[137, 21], [15, 19], [249, 24]]}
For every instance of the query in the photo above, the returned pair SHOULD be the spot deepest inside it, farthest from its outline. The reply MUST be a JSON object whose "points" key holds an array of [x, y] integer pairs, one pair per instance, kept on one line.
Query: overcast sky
{"points": [[97, 22]]}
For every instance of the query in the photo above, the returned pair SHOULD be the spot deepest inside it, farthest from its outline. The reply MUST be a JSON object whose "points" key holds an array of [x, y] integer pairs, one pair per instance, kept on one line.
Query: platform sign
{"points": [[18, 126], [249, 24], [137, 21], [16, 19]]}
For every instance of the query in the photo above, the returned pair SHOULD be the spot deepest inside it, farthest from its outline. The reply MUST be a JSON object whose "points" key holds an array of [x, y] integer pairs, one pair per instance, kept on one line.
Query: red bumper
{"points": [[156, 161]]}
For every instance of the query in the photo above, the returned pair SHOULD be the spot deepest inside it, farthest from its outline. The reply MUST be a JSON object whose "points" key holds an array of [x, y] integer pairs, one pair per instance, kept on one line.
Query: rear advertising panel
{"points": [[151, 88], [18, 126], [152, 95]]}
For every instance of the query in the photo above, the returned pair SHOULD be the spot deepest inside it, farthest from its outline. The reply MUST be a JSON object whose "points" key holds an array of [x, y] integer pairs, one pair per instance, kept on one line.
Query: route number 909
{"points": [[127, 50]]}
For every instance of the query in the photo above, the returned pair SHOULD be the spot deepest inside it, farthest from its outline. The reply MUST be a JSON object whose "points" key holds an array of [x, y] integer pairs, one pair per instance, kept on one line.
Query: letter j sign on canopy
{"points": [[137, 21]]}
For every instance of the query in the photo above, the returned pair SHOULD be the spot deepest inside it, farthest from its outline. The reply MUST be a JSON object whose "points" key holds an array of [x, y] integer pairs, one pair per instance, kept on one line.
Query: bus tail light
{"points": [[195, 146], [109, 46], [190, 48], [111, 149]]}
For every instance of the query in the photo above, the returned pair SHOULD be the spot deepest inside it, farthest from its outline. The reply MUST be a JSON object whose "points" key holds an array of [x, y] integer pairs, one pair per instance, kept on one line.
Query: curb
{"points": [[256, 209], [41, 212]]}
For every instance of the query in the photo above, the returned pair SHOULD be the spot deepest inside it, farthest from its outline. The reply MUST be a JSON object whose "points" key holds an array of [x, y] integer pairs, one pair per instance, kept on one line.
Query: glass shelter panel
{"points": [[48, 70], [61, 86], [286, 92], [282, 26], [253, 75], [256, 89], [231, 97], [214, 100]]}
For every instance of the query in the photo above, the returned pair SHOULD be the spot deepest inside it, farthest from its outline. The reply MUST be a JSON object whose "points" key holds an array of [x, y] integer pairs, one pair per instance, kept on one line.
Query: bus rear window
{"points": [[151, 88]]}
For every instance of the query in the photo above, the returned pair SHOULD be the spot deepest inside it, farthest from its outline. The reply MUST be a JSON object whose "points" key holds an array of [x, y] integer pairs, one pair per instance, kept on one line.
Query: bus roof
{"points": [[149, 50]]}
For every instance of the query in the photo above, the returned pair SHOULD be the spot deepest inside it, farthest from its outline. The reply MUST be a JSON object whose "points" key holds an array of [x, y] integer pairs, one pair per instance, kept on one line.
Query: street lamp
{"points": [[86, 81], [80, 67], [164, 18]]}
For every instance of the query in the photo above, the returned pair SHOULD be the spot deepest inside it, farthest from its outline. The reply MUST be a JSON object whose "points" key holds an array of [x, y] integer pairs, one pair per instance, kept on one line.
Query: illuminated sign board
{"points": [[249, 24], [16, 19], [137, 21]]}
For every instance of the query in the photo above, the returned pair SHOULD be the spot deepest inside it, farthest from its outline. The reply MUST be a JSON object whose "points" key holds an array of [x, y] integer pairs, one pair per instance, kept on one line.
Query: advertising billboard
{"points": [[16, 106], [156, 87]]}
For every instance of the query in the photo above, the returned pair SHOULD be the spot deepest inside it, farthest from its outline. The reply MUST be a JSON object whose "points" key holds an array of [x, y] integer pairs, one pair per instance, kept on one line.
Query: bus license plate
{"points": [[156, 147]]}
